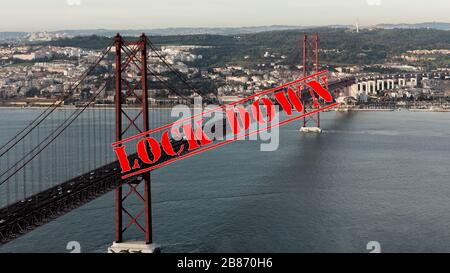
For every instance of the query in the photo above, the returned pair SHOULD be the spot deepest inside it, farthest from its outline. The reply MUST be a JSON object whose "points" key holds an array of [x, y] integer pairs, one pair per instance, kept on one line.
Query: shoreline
{"points": [[393, 110], [365, 110], [74, 107], [169, 108]]}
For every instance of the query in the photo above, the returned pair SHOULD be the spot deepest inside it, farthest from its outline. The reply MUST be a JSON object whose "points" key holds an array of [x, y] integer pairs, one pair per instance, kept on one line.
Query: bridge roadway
{"points": [[39, 209], [28, 214], [34, 211]]}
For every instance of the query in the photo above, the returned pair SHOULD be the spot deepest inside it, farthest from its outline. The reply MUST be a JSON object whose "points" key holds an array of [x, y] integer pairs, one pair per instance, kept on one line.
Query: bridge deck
{"points": [[39, 209], [26, 215]]}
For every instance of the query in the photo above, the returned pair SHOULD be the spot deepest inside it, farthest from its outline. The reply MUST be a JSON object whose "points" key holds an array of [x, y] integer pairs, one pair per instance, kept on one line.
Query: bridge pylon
{"points": [[310, 48], [131, 83]]}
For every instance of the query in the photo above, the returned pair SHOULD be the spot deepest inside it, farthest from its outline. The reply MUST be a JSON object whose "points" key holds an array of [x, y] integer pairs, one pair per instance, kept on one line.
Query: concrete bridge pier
{"points": [[371, 87], [134, 247], [380, 85], [390, 83], [310, 130]]}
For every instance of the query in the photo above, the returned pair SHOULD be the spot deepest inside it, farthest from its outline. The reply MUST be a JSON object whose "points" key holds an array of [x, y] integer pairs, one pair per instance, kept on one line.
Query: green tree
{"points": [[32, 92]]}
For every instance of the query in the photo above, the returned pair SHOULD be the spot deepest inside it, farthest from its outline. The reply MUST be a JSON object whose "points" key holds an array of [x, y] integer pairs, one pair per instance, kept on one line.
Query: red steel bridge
{"points": [[63, 158]]}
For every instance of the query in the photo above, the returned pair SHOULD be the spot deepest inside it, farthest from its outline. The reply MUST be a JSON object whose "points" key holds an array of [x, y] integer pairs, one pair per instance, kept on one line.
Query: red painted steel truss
{"points": [[131, 83], [310, 46]]}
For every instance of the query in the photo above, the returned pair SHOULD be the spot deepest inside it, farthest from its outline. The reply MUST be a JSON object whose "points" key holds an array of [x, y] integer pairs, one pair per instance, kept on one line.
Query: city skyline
{"points": [[53, 15]]}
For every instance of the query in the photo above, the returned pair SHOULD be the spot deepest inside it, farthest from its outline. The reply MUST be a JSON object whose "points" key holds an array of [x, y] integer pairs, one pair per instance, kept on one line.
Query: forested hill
{"points": [[365, 47]]}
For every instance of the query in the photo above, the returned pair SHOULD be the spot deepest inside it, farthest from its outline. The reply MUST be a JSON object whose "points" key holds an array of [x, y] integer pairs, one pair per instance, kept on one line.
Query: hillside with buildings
{"points": [[389, 64]]}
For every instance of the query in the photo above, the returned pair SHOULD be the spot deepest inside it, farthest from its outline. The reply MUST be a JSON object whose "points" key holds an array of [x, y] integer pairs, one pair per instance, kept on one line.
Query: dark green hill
{"points": [[365, 47]]}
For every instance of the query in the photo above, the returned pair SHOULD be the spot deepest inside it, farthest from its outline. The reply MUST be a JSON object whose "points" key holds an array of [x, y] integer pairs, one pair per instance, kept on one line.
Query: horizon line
{"points": [[222, 27]]}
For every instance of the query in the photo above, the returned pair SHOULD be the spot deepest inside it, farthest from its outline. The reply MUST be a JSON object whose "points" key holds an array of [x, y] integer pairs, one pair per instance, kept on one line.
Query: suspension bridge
{"points": [[63, 158]]}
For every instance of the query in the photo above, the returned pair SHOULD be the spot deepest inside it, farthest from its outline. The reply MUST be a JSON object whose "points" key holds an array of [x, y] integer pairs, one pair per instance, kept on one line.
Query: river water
{"points": [[370, 176]]}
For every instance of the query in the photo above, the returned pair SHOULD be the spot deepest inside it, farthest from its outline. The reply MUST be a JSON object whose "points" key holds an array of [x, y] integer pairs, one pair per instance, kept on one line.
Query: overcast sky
{"points": [[39, 15]]}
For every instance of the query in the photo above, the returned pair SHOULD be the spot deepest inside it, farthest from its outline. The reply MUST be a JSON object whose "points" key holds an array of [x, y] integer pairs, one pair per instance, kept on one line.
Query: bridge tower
{"points": [[310, 46], [131, 56]]}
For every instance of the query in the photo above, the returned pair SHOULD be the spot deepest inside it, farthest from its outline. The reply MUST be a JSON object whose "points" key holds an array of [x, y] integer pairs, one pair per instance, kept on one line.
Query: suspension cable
{"points": [[132, 58], [51, 138], [171, 68], [52, 107]]}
